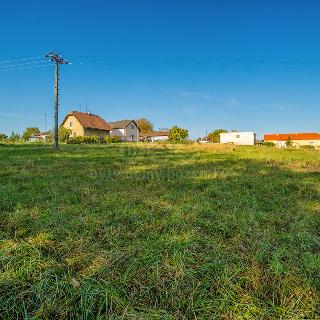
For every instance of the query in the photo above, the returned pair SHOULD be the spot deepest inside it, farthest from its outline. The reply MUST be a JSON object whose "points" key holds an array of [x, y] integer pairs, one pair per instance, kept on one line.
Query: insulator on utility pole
{"points": [[57, 59]]}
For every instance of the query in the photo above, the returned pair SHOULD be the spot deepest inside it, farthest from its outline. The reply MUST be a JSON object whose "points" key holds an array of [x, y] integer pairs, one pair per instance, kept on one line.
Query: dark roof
{"points": [[153, 134], [292, 136], [121, 124], [89, 120]]}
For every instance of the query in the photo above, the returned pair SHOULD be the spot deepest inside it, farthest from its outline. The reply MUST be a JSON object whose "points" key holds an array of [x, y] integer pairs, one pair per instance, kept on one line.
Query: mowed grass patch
{"points": [[151, 231]]}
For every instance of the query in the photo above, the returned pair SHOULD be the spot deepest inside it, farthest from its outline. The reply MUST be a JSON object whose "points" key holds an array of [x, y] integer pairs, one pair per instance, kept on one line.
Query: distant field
{"points": [[159, 232]]}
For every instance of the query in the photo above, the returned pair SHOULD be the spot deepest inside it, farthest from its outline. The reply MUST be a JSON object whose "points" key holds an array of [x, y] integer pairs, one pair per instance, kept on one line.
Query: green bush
{"points": [[308, 147], [115, 139], [107, 139], [3, 137], [84, 140], [289, 143], [269, 144], [75, 140], [93, 140], [64, 134]]}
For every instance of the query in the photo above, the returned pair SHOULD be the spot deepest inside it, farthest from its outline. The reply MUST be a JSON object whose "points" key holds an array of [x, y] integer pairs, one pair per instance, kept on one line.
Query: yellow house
{"points": [[86, 124]]}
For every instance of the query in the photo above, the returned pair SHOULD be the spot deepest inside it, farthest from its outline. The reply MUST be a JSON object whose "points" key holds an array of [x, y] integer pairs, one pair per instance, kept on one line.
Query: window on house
{"points": [[132, 127], [71, 124], [238, 136], [312, 143]]}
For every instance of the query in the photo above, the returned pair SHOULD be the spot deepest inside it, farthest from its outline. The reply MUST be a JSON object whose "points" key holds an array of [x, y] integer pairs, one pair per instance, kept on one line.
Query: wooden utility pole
{"points": [[56, 107], [57, 59]]}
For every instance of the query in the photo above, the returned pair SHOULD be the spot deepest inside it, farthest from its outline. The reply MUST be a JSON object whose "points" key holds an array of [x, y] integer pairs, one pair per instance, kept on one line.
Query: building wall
{"points": [[76, 128], [118, 133], [127, 133], [297, 143], [240, 138], [159, 138], [96, 132], [132, 133]]}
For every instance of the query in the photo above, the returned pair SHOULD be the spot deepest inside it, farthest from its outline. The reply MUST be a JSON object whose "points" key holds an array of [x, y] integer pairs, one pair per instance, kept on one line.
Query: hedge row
{"points": [[93, 140]]}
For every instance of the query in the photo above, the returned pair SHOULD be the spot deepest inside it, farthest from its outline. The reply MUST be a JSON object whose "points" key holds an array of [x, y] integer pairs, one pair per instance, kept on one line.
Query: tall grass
{"points": [[152, 231]]}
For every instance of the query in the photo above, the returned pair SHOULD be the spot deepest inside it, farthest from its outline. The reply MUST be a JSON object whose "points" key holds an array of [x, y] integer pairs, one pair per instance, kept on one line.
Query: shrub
{"points": [[289, 143], [3, 137], [84, 140], [15, 137], [91, 139], [115, 139], [107, 139], [64, 134], [269, 144], [308, 147], [75, 140]]}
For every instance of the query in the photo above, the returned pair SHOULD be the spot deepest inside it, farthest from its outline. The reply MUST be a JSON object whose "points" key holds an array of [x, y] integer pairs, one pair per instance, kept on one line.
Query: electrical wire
{"points": [[23, 64], [202, 63], [33, 67], [16, 60]]}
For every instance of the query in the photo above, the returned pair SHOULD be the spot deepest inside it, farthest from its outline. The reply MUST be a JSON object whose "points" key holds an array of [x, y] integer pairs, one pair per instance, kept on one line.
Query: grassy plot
{"points": [[159, 232]]}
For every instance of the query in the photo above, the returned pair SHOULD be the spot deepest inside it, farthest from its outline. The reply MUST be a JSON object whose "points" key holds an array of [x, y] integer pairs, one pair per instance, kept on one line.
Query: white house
{"points": [[40, 137], [154, 136], [240, 138], [127, 130]]}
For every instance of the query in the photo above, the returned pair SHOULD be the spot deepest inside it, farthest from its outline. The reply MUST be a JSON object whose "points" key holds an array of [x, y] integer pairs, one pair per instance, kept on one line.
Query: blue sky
{"points": [[202, 65]]}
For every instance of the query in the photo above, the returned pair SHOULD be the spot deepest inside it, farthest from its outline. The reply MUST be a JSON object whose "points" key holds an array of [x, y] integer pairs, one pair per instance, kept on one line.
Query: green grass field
{"points": [[159, 232]]}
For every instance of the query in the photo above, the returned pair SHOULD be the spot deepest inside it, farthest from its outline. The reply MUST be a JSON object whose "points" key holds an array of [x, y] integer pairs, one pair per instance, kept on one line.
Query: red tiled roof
{"points": [[88, 120], [292, 136]]}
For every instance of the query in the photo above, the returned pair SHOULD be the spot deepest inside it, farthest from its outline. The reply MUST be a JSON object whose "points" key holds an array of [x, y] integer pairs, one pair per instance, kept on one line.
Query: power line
{"points": [[23, 64], [33, 67], [16, 60]]}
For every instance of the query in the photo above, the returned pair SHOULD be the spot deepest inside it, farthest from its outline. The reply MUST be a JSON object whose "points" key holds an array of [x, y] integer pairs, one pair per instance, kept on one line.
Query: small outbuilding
{"points": [[154, 136], [239, 138]]}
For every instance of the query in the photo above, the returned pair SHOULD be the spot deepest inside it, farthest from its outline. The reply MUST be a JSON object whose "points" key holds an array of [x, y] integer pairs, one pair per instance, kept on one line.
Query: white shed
{"points": [[240, 138]]}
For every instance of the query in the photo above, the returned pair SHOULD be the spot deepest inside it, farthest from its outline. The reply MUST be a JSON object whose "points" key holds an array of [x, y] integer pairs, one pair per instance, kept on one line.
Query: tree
{"points": [[289, 142], [14, 137], [178, 134], [144, 125], [3, 137], [215, 135], [64, 134], [30, 132]]}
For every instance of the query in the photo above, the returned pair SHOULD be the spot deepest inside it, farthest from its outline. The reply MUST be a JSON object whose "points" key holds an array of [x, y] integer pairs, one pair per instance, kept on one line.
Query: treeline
{"points": [[14, 137]]}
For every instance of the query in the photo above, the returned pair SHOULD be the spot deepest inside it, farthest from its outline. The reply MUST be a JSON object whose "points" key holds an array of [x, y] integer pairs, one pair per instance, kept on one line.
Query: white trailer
{"points": [[240, 138]]}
